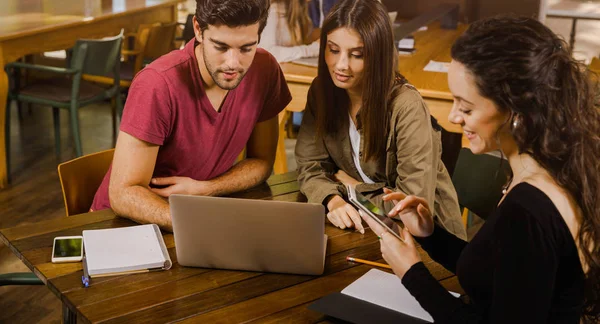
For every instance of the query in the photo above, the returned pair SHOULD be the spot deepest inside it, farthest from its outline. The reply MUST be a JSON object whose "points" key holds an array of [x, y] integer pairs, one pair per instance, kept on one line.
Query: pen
{"points": [[85, 279], [377, 264]]}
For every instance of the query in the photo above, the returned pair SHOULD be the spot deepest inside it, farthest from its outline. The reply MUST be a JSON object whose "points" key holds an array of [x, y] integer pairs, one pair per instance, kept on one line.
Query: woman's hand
{"points": [[412, 210], [400, 255], [344, 178], [343, 215]]}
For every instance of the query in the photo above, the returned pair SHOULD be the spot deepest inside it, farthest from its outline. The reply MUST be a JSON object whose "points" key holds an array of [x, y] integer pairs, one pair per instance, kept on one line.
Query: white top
{"points": [[277, 40], [355, 141]]}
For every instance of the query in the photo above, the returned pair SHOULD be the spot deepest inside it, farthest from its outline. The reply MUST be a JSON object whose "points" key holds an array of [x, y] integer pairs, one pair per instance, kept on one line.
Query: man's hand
{"points": [[181, 185]]}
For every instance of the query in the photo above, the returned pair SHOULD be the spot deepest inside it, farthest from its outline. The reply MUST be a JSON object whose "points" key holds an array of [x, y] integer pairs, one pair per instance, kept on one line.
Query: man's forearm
{"points": [[244, 175], [142, 206]]}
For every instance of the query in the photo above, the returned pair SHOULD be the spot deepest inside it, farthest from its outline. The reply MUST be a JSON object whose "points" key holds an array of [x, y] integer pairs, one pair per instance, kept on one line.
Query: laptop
{"points": [[246, 234]]}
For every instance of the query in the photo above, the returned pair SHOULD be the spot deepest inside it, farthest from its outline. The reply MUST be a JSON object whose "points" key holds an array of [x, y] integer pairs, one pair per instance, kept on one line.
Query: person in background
{"points": [[190, 113], [536, 259], [318, 10], [364, 125], [286, 35]]}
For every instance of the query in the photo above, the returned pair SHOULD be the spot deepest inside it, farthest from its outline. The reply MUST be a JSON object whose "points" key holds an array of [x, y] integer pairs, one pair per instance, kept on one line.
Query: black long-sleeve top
{"points": [[521, 267]]}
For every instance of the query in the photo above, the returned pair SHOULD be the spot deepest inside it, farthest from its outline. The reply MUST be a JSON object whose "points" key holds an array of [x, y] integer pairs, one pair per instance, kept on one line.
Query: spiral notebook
{"points": [[125, 250]]}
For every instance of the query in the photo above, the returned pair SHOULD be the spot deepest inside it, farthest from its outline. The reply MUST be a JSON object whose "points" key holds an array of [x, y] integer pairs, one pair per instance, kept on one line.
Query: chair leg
{"points": [[280, 164], [20, 110], [56, 120], [7, 138], [75, 128]]}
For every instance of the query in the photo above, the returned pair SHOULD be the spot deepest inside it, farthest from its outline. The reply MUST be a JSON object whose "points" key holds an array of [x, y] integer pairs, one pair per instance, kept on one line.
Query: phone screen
{"points": [[377, 212], [69, 247]]}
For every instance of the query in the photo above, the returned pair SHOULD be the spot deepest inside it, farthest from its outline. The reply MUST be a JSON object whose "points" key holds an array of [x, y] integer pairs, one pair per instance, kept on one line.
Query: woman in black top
{"points": [[537, 258]]}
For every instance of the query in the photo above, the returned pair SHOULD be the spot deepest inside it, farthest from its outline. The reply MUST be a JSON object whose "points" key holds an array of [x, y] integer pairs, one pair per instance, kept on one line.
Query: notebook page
{"points": [[386, 290], [122, 249]]}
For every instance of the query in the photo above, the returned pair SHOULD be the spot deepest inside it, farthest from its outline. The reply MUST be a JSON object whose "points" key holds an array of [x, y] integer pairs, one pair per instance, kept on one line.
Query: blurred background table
{"points": [[35, 26]]}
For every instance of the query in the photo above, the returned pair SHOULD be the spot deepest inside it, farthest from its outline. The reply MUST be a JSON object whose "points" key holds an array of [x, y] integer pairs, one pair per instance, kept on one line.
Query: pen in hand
{"points": [[85, 279]]}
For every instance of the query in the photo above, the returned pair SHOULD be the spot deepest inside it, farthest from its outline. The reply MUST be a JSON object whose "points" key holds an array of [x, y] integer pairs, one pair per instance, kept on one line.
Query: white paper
{"points": [[386, 290], [435, 66], [122, 249]]}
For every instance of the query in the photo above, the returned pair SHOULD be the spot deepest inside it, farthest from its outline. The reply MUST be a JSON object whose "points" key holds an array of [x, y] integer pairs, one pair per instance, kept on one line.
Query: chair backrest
{"points": [[160, 40], [478, 180], [100, 57], [80, 179], [451, 146], [188, 29]]}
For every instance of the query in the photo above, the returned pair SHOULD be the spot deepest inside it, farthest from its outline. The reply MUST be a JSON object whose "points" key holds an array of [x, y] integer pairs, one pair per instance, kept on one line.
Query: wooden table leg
{"points": [[69, 317], [3, 96]]}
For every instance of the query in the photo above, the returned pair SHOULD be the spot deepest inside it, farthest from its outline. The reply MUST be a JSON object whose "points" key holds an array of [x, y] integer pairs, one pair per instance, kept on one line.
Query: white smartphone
{"points": [[361, 202], [67, 249]]}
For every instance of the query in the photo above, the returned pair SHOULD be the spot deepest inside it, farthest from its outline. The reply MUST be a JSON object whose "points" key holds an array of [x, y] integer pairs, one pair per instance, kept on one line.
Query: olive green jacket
{"points": [[412, 163]]}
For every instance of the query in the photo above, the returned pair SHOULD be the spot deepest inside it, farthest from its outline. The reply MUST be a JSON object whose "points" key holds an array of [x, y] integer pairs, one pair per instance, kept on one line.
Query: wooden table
{"points": [[431, 44], [196, 294], [34, 26]]}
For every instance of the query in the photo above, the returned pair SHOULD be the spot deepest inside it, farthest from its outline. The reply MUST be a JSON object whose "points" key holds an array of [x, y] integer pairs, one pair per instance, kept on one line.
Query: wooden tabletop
{"points": [[25, 17], [197, 294], [431, 44]]}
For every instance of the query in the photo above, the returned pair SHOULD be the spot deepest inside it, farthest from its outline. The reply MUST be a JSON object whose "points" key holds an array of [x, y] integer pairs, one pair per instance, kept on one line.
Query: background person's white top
{"points": [[276, 38], [355, 141]]}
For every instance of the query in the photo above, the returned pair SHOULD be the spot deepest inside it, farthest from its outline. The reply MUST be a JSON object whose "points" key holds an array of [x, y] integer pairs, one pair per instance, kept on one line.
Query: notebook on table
{"points": [[125, 250], [376, 297]]}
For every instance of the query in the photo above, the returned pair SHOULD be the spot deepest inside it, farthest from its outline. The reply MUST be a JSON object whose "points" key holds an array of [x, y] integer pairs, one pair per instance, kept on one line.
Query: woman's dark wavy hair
{"points": [[525, 69], [369, 18], [232, 13]]}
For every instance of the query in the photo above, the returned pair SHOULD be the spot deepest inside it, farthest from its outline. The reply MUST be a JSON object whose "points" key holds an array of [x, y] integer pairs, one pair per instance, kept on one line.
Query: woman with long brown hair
{"points": [[288, 30], [365, 126], [536, 259]]}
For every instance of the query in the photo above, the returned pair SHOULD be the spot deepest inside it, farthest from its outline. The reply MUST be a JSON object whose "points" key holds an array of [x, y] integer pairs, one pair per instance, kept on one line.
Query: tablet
{"points": [[364, 204]]}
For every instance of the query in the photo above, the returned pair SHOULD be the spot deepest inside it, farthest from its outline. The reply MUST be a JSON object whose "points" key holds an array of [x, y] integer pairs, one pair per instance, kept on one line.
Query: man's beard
{"points": [[214, 74]]}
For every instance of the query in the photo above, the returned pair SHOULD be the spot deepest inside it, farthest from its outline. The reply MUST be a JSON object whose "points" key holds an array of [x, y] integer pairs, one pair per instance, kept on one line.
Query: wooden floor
{"points": [[35, 194]]}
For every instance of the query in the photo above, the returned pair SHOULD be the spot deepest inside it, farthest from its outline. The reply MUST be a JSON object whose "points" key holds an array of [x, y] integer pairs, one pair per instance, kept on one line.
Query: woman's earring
{"points": [[515, 123]]}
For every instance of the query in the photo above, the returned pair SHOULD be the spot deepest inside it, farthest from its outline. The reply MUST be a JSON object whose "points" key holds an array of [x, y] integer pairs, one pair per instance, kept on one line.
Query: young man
{"points": [[190, 113]]}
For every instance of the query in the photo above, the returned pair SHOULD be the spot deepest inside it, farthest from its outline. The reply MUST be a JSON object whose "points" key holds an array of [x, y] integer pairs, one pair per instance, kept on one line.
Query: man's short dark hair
{"points": [[232, 13]]}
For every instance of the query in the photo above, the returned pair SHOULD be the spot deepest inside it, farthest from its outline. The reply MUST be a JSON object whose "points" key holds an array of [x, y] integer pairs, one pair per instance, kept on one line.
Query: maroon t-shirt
{"points": [[167, 106]]}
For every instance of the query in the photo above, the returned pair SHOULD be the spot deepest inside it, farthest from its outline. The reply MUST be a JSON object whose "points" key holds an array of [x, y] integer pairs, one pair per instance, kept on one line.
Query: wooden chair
{"points": [[149, 42], [186, 30], [297, 104], [69, 90], [80, 179]]}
